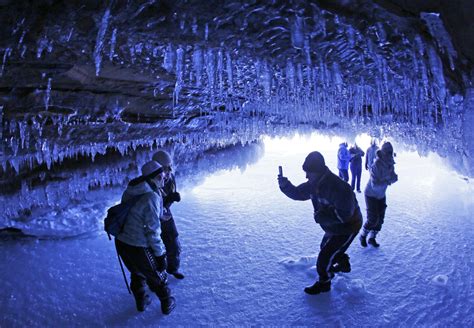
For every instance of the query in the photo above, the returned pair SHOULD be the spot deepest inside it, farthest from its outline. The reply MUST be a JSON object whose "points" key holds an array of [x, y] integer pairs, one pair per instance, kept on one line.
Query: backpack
{"points": [[117, 216]]}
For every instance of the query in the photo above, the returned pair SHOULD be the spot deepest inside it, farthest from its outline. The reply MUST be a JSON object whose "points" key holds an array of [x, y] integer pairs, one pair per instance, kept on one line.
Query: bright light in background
{"points": [[429, 174]]}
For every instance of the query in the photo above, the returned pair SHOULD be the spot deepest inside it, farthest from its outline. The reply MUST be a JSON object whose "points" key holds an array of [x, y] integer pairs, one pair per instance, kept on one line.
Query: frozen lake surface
{"points": [[248, 252]]}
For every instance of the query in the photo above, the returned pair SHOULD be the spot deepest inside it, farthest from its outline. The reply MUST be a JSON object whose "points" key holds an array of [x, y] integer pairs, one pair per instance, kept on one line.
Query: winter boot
{"points": [[373, 242], [343, 265], [363, 240], [167, 305], [177, 274], [142, 302], [318, 287]]}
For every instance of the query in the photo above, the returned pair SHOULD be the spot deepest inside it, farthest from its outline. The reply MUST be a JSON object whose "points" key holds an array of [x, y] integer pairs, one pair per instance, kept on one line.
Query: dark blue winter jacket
{"points": [[335, 205], [356, 157]]}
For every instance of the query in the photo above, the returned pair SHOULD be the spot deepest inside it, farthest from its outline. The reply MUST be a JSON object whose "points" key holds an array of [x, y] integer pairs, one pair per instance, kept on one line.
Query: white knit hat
{"points": [[151, 168], [163, 157]]}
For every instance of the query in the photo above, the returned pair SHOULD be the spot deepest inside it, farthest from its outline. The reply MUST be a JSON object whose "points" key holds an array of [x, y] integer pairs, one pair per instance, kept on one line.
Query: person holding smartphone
{"points": [[337, 212]]}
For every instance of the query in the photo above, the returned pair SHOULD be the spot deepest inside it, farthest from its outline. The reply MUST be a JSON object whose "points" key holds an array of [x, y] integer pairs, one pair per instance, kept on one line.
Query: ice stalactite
{"points": [[179, 74], [438, 32], [209, 59], [100, 41], [297, 32], [229, 71], [197, 60], [1, 123], [113, 40], [169, 59], [6, 54], [47, 94]]}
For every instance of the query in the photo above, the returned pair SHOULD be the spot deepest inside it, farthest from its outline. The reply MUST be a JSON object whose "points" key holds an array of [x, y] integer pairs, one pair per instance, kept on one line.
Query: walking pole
{"points": [[123, 271]]}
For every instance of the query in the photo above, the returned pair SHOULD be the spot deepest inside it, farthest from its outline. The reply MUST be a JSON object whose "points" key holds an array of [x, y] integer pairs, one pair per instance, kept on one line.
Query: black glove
{"points": [[282, 181], [161, 263], [171, 198], [174, 197]]}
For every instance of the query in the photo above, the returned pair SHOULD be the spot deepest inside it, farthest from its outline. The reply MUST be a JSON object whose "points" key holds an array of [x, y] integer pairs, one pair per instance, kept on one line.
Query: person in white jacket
{"points": [[139, 244], [382, 174]]}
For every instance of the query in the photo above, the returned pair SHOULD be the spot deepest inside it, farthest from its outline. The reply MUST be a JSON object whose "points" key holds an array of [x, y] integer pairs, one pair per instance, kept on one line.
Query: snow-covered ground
{"points": [[248, 252]]}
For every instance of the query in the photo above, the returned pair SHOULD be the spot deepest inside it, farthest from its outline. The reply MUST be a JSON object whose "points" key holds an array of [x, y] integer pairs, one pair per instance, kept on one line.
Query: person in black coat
{"points": [[356, 166], [337, 212], [169, 231]]}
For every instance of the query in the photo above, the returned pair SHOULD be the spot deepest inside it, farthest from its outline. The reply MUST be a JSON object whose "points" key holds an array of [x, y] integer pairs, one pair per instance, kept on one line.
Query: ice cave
{"points": [[90, 90]]}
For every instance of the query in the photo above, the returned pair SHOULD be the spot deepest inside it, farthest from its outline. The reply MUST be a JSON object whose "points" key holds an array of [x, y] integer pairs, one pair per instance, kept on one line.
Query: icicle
{"points": [[206, 32], [20, 41], [6, 54], [220, 64], [23, 51], [197, 64], [210, 69], [194, 26], [438, 32], [381, 35], [47, 95], [1, 122], [113, 39], [42, 43], [266, 78], [168, 61], [69, 36], [290, 75], [99, 43], [228, 66], [297, 32], [179, 74]]}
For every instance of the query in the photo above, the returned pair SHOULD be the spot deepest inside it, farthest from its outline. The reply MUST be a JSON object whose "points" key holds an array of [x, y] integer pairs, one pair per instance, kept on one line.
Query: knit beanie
{"points": [[151, 168], [163, 157], [314, 162]]}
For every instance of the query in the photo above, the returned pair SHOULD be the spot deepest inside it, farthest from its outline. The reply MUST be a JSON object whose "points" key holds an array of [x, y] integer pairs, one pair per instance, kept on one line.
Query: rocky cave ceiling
{"points": [[92, 79]]}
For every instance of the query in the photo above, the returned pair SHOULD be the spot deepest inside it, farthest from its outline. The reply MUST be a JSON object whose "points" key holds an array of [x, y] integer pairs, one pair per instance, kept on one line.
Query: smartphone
{"points": [[280, 171]]}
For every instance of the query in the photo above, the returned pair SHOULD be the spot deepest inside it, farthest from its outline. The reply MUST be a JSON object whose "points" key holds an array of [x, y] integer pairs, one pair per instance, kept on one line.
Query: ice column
{"points": [[99, 43]]}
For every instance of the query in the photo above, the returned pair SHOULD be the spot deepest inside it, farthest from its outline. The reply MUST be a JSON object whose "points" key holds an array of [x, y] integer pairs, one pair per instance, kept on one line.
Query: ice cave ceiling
{"points": [[82, 80]]}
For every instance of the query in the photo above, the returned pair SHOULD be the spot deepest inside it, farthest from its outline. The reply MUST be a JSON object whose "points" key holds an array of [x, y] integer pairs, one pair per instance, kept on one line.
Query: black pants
{"points": [[333, 249], [375, 213], [169, 235], [140, 261], [356, 172], [344, 174]]}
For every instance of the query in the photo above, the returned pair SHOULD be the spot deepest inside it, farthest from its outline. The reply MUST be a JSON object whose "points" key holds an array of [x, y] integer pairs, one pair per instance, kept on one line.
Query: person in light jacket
{"points": [[337, 212], [139, 244], [343, 158], [169, 232], [371, 154], [382, 174]]}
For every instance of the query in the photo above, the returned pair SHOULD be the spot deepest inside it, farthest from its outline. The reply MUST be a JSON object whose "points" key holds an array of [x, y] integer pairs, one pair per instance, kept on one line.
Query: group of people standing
{"points": [[150, 223], [335, 205], [149, 226]]}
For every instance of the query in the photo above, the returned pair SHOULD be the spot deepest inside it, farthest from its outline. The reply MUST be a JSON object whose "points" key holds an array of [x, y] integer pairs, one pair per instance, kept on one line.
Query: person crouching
{"points": [[337, 212]]}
